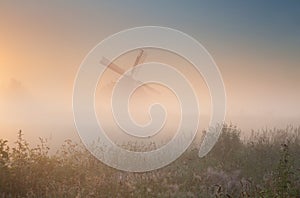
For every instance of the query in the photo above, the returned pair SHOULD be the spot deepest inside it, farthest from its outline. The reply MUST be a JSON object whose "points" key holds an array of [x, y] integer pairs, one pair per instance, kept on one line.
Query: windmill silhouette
{"points": [[131, 78]]}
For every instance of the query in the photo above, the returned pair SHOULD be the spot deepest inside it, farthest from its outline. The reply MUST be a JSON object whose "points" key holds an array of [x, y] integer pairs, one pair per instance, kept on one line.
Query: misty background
{"points": [[256, 46]]}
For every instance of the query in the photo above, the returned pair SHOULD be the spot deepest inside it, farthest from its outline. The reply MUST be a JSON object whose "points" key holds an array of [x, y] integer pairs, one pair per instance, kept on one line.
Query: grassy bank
{"points": [[265, 165]]}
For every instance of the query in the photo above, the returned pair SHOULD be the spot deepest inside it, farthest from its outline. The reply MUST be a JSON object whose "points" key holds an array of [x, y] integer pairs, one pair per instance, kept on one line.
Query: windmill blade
{"points": [[106, 62], [140, 58], [110, 65]]}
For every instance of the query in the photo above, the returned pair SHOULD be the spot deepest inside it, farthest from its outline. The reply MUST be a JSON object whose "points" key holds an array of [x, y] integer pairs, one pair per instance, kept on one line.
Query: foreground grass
{"points": [[266, 165]]}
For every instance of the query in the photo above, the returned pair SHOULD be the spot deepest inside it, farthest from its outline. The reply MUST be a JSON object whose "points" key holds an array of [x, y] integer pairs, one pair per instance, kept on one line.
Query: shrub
{"points": [[266, 165]]}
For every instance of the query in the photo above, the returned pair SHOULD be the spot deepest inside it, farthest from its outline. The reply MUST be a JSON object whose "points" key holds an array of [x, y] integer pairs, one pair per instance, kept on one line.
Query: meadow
{"points": [[267, 164]]}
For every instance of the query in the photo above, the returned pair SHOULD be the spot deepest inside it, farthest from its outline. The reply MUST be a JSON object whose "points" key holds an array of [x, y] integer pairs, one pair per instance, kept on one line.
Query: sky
{"points": [[255, 44]]}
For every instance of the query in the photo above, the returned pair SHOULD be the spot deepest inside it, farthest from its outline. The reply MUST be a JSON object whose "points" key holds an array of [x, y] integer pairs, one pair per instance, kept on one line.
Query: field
{"points": [[265, 165]]}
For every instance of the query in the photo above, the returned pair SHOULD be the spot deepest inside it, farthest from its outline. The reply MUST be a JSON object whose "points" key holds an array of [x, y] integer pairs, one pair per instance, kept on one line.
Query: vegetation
{"points": [[265, 165]]}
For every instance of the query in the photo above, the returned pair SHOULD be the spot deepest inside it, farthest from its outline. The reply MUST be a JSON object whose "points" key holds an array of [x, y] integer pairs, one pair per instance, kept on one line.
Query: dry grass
{"points": [[266, 165]]}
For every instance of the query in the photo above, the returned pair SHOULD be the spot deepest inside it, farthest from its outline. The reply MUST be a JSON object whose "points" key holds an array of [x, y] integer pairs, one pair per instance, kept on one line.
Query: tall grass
{"points": [[265, 165]]}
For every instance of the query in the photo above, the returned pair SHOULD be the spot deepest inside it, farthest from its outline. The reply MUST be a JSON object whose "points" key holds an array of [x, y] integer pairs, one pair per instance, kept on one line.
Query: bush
{"points": [[266, 165]]}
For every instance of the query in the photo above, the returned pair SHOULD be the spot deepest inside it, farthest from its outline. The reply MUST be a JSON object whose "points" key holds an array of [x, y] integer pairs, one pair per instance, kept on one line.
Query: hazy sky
{"points": [[256, 45]]}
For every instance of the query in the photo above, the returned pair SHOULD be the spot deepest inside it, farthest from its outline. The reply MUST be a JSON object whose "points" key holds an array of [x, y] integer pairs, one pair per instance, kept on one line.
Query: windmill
{"points": [[132, 76]]}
